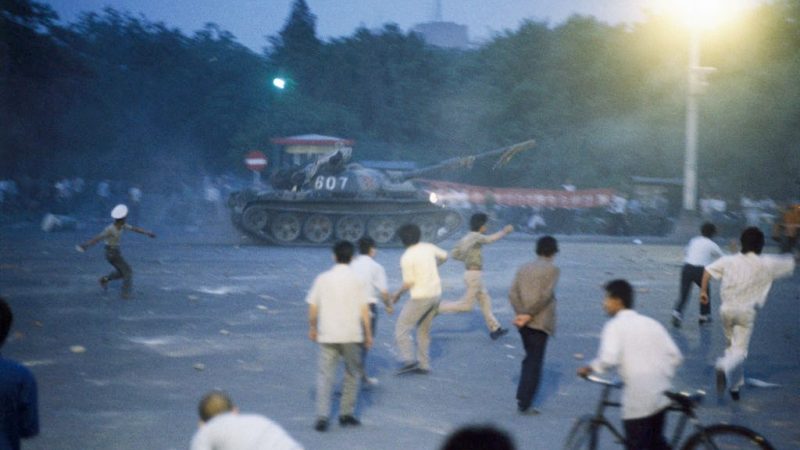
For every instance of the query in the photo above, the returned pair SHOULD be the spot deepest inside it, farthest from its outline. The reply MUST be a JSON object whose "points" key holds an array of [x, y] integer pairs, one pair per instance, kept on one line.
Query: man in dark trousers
{"points": [[533, 299]]}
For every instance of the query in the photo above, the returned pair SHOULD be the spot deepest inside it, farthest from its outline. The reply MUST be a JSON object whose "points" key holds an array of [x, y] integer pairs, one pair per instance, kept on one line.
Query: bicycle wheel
{"points": [[727, 437], [584, 435]]}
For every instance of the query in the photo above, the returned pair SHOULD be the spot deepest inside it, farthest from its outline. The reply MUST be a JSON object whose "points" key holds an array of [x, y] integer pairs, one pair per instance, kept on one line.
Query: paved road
{"points": [[210, 313]]}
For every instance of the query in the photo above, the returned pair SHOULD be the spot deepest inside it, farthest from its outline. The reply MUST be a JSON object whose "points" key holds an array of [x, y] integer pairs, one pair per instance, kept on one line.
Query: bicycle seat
{"points": [[686, 400]]}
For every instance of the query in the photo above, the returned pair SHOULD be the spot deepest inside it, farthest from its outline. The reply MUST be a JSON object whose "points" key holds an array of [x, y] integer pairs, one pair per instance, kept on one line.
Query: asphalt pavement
{"points": [[211, 311]]}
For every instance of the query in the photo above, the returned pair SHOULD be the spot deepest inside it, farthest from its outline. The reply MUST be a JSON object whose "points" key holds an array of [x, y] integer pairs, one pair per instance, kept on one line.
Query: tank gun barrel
{"points": [[506, 154]]}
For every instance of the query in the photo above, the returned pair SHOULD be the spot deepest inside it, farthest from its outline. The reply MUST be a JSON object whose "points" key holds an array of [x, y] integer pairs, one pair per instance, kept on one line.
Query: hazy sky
{"points": [[251, 20]]}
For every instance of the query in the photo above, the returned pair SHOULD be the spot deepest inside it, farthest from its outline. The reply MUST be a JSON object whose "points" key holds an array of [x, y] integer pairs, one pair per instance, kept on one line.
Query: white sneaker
{"points": [[369, 381]]}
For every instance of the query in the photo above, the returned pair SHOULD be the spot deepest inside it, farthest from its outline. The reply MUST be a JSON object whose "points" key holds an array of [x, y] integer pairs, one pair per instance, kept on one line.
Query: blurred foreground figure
{"points": [[746, 280], [645, 357], [19, 412], [222, 427], [474, 437], [112, 235]]}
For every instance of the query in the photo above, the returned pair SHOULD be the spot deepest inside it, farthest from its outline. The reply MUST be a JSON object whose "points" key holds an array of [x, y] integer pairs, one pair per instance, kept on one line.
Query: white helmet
{"points": [[119, 212]]}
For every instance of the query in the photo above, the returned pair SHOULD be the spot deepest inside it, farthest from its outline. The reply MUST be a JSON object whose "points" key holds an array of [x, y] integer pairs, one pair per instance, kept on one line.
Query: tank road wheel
{"points": [[381, 229], [428, 229], [285, 227], [350, 228], [318, 228], [255, 218]]}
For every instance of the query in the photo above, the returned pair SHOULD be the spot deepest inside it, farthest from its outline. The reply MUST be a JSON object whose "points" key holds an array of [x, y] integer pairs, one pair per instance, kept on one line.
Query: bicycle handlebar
{"points": [[605, 382]]}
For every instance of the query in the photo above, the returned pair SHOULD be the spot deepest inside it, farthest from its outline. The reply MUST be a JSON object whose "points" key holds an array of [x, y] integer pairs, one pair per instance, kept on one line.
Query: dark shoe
{"points": [[322, 424], [734, 394], [496, 334], [529, 411], [104, 283], [422, 371], [349, 421], [721, 381], [704, 319], [677, 318], [410, 367]]}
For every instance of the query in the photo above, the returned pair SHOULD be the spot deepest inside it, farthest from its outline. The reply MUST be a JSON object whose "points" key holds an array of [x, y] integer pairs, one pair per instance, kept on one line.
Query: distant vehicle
{"points": [[332, 199]]}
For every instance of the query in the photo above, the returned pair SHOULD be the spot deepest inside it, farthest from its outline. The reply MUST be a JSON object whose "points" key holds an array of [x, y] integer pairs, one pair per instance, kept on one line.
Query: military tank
{"points": [[333, 198]]}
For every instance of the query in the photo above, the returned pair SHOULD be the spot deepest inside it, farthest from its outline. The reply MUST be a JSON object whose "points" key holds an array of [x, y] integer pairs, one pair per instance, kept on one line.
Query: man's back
{"points": [[231, 431], [747, 278], [339, 294], [19, 416], [645, 357], [420, 267]]}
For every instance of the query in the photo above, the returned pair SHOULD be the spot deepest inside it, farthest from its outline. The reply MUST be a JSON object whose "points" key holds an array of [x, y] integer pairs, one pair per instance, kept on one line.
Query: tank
{"points": [[333, 198]]}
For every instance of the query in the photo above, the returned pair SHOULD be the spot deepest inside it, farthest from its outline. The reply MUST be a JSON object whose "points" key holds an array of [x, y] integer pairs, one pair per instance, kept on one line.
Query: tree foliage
{"points": [[115, 94]]}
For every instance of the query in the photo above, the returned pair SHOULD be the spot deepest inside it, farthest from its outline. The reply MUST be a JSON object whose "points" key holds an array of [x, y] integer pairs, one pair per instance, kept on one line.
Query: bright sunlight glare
{"points": [[702, 14]]}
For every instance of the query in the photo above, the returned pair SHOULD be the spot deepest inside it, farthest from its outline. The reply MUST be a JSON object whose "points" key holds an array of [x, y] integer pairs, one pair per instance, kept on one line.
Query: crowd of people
{"points": [[185, 201], [342, 318], [638, 347]]}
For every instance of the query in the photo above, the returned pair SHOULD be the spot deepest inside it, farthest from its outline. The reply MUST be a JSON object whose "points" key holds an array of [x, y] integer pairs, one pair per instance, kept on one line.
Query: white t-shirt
{"points": [[702, 251], [231, 431], [339, 295], [372, 274], [421, 269], [645, 357], [747, 278]]}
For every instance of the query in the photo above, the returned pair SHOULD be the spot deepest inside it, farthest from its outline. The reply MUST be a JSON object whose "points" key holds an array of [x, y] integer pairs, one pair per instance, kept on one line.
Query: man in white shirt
{"points": [[222, 427], [338, 317], [645, 357], [419, 265], [700, 252], [746, 280], [373, 276]]}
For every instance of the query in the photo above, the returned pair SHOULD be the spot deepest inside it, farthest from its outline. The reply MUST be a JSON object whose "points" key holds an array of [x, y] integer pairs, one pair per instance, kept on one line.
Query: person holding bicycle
{"points": [[645, 357]]}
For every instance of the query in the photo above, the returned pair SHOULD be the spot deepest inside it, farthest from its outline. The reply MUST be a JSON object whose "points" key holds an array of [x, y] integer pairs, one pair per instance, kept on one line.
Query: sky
{"points": [[251, 20]]}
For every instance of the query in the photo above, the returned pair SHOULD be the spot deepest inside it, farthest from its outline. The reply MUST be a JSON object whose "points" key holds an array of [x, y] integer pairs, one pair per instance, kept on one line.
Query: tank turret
{"points": [[333, 198]]}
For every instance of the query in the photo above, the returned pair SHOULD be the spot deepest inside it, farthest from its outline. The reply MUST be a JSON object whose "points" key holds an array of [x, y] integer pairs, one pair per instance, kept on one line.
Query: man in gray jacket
{"points": [[532, 296]]}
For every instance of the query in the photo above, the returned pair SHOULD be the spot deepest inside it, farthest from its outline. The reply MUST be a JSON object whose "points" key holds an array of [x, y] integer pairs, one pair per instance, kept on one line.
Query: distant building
{"points": [[444, 34]]}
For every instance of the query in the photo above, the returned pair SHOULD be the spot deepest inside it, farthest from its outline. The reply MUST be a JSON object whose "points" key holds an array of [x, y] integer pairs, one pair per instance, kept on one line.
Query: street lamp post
{"points": [[693, 90]]}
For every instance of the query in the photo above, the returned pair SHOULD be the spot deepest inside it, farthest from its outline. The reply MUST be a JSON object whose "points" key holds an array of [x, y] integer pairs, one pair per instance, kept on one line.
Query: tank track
{"points": [[315, 223]]}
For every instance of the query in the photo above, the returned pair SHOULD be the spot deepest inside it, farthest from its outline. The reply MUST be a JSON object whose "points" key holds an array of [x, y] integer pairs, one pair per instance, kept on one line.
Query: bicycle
{"points": [[585, 433]]}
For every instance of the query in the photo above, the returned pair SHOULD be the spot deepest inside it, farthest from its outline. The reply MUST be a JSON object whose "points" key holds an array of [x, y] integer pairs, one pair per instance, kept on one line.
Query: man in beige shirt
{"points": [[469, 250], [533, 299]]}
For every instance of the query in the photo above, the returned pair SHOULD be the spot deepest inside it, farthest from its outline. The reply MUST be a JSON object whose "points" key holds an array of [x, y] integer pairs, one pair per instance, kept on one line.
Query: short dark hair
{"points": [[6, 319], [752, 240], [479, 437], [622, 290], [212, 404], [409, 234], [546, 246], [477, 221], [344, 251], [708, 230], [365, 244]]}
